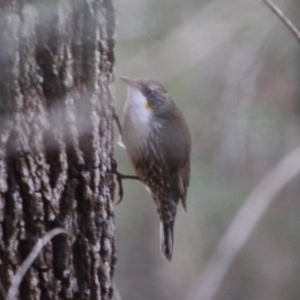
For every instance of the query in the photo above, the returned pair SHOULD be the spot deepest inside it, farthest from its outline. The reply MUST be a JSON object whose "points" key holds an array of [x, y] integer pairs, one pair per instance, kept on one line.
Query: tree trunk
{"points": [[56, 145]]}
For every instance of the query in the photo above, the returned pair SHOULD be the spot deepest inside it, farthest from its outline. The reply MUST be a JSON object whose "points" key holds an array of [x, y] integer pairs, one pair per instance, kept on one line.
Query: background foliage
{"points": [[233, 69]]}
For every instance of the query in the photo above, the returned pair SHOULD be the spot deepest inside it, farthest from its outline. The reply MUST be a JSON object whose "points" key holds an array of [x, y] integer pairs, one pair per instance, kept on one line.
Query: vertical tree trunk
{"points": [[56, 144]]}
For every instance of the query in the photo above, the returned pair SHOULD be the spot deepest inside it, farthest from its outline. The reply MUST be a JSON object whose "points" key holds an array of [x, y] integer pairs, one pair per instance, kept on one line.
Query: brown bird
{"points": [[157, 140]]}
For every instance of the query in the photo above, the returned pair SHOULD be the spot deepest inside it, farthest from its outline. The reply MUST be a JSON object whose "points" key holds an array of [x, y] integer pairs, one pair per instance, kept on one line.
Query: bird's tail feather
{"points": [[166, 239]]}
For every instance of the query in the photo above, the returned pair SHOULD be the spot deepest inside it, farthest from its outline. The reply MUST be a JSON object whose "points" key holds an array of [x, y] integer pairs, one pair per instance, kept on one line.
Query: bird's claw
{"points": [[119, 178]]}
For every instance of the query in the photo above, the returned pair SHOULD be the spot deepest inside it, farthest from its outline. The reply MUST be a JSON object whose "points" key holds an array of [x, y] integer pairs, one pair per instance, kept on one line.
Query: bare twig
{"points": [[117, 295], [243, 225], [116, 118], [283, 18], [13, 290]]}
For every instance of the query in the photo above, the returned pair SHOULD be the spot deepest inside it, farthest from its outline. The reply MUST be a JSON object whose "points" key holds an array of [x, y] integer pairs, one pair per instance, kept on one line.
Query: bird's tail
{"points": [[166, 238]]}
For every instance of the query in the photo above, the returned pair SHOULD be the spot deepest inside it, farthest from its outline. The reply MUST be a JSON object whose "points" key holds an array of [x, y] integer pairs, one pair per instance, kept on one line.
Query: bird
{"points": [[157, 140]]}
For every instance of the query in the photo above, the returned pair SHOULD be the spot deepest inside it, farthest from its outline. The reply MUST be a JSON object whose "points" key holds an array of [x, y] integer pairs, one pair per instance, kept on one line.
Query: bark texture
{"points": [[56, 144]]}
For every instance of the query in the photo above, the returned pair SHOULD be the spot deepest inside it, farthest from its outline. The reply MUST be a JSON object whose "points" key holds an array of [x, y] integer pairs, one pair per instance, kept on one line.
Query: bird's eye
{"points": [[149, 91]]}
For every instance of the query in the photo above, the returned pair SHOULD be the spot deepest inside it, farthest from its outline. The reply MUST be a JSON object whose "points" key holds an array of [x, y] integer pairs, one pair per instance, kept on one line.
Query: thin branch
{"points": [[13, 290], [283, 18], [116, 295], [243, 225]]}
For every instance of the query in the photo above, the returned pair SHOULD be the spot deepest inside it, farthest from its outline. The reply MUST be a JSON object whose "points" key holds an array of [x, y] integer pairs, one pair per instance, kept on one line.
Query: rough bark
{"points": [[56, 135]]}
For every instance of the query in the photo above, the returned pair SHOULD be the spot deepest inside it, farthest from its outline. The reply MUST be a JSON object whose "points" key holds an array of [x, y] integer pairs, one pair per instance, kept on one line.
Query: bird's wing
{"points": [[176, 154]]}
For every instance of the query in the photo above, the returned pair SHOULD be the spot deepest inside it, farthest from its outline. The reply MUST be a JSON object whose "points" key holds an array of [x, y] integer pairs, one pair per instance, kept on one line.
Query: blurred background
{"points": [[233, 68]]}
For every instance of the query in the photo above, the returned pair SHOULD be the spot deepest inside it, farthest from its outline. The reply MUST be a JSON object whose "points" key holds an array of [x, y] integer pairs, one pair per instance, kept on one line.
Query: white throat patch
{"points": [[136, 119], [136, 108]]}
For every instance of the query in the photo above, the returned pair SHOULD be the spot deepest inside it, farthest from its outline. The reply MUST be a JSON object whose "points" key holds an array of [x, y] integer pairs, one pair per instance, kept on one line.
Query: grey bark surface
{"points": [[56, 144]]}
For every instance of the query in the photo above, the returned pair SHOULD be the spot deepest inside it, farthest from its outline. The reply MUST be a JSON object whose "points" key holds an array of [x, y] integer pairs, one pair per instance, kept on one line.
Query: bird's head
{"points": [[149, 94]]}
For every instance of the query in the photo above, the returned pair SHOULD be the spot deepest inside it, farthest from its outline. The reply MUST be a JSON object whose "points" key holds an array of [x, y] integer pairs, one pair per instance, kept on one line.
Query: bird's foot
{"points": [[119, 178]]}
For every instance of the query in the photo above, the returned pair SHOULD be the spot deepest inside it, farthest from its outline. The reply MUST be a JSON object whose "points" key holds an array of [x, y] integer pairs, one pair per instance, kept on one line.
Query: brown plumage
{"points": [[157, 140]]}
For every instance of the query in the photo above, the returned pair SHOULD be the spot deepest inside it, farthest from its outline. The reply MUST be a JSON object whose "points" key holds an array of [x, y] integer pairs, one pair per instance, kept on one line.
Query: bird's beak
{"points": [[131, 82]]}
